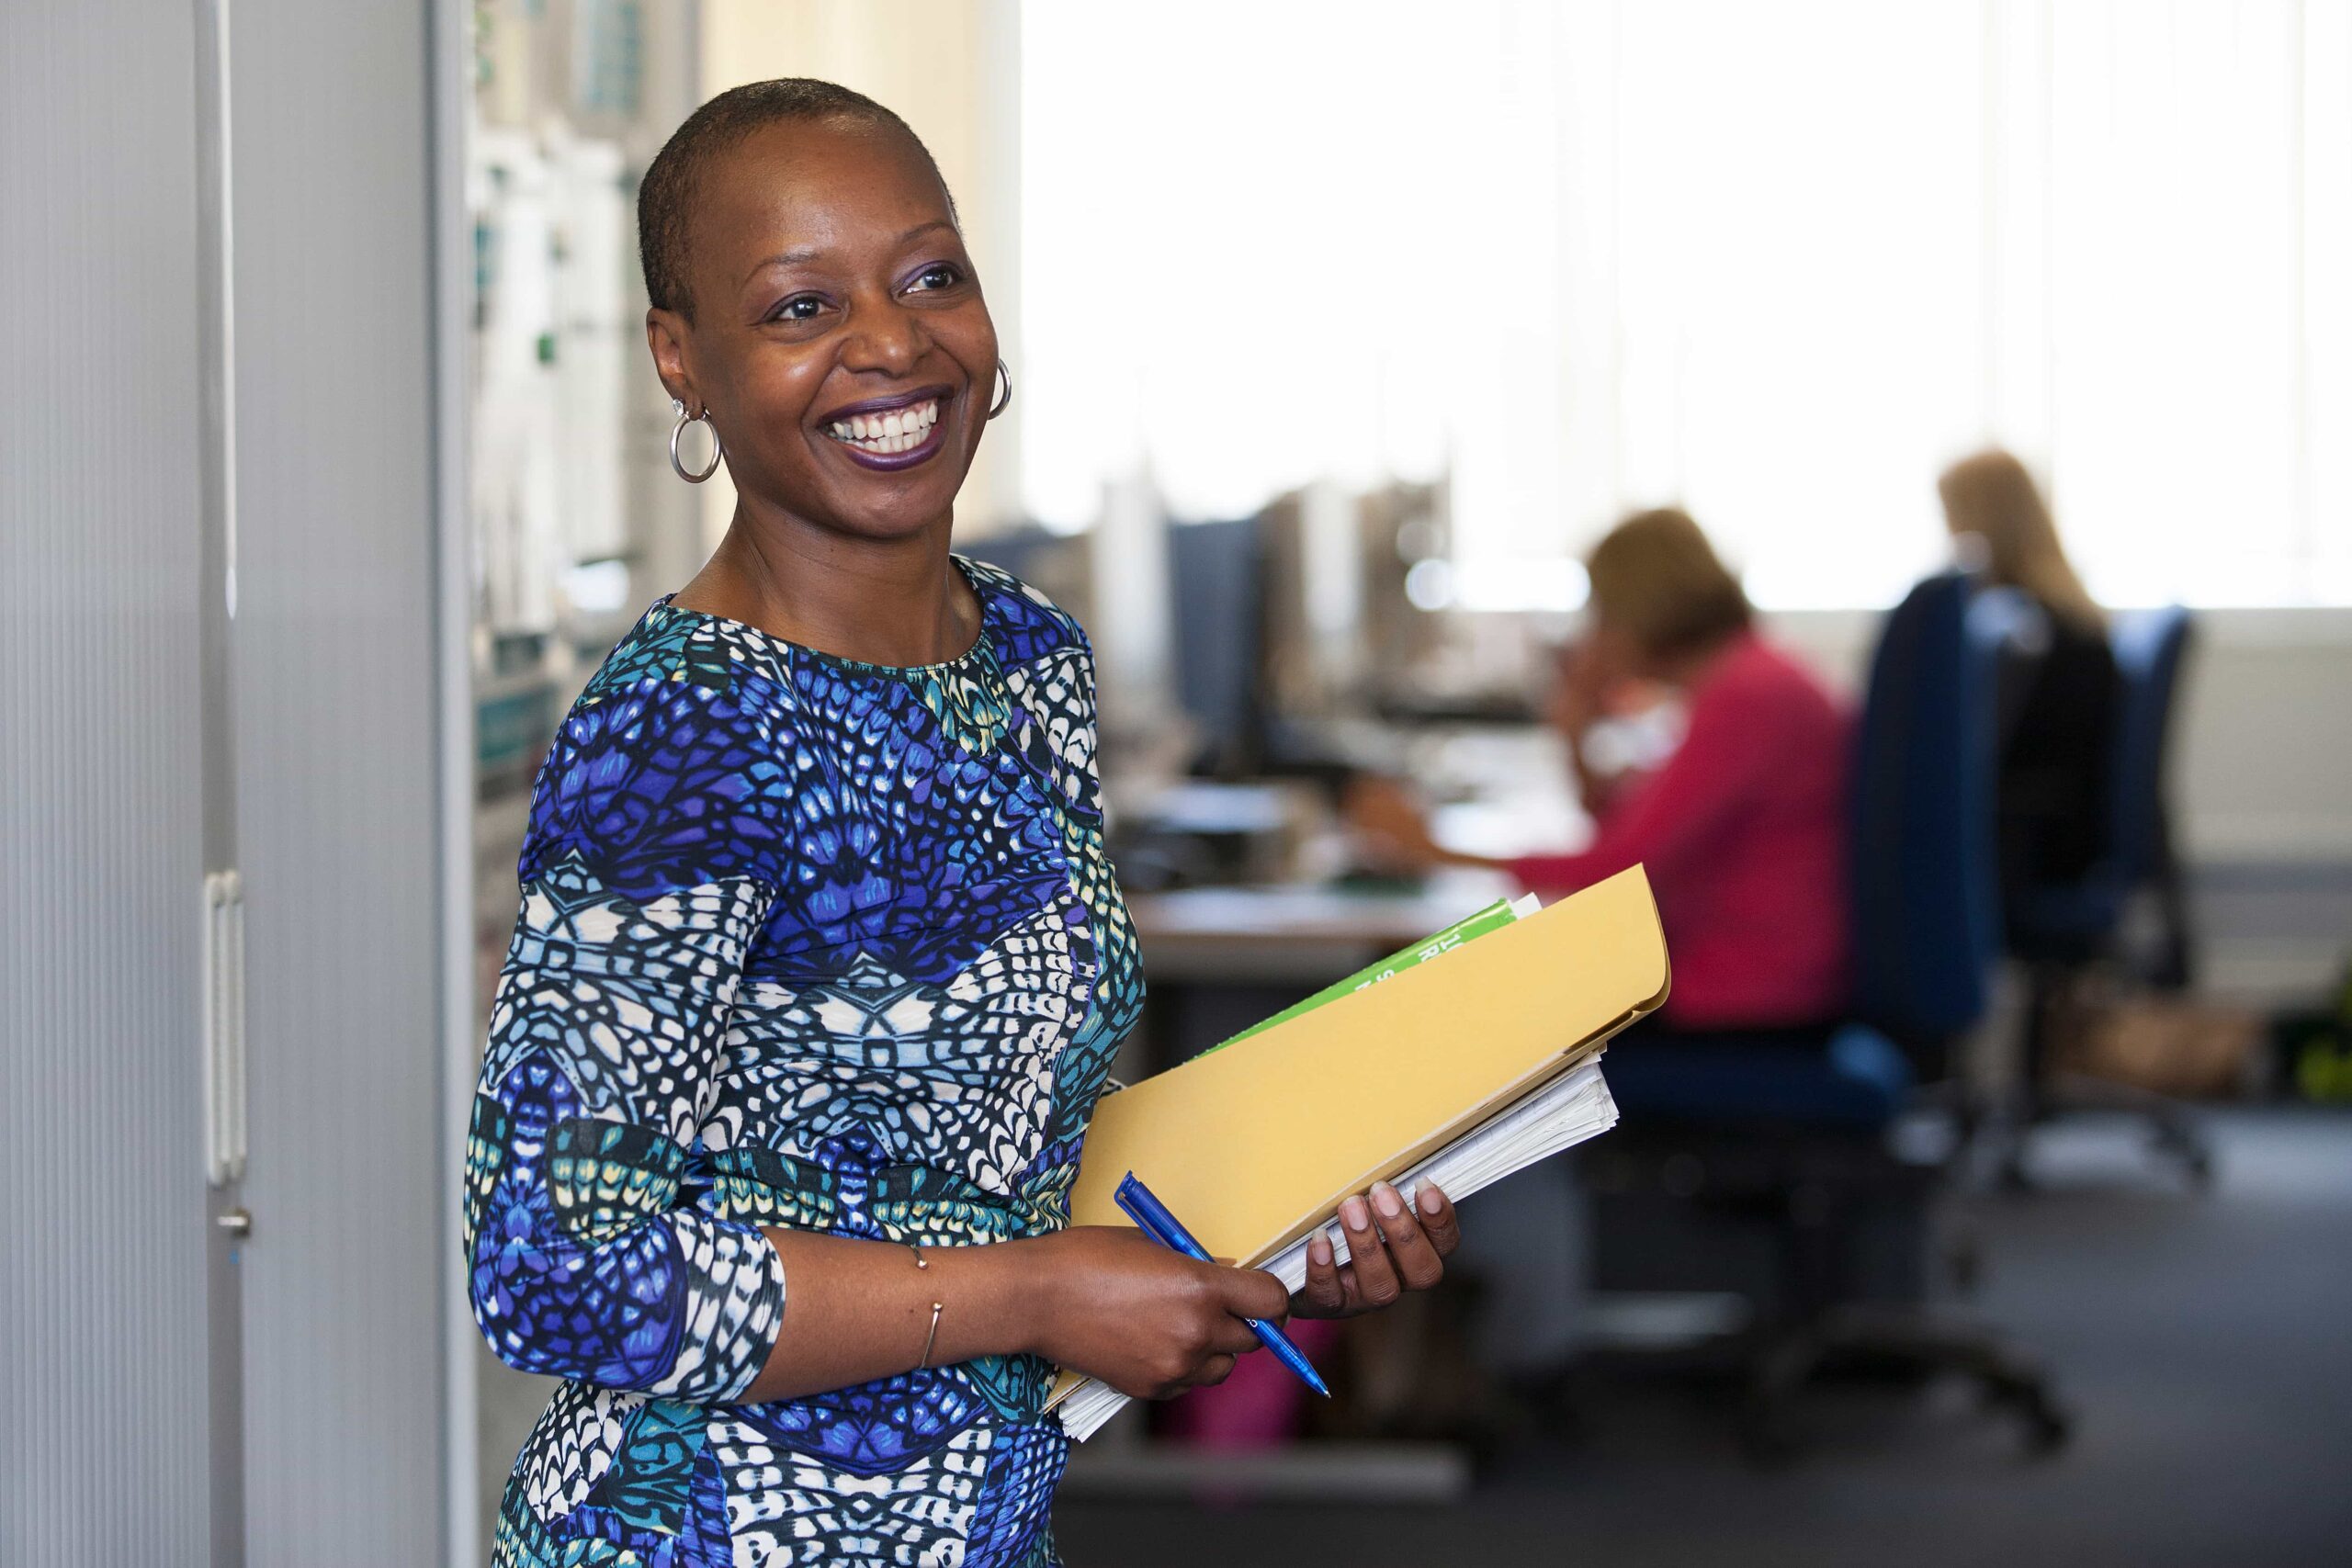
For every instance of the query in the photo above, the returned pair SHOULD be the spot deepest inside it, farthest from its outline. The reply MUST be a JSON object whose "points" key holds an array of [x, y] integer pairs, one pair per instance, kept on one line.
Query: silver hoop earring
{"points": [[680, 429], [1004, 397]]}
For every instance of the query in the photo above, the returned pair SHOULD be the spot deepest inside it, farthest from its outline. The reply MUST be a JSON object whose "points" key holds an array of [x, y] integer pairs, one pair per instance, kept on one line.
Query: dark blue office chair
{"points": [[2062, 930], [1801, 1134]]}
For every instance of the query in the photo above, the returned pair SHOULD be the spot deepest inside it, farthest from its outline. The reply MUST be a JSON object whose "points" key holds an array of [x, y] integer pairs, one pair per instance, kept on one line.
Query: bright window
{"points": [[1778, 263]]}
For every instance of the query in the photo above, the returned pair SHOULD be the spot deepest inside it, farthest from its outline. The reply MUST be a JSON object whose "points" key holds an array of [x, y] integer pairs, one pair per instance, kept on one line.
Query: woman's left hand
{"points": [[1393, 1246]]}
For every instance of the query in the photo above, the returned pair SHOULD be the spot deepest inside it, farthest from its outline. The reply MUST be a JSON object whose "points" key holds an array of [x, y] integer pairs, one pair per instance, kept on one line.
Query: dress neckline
{"points": [[970, 656]]}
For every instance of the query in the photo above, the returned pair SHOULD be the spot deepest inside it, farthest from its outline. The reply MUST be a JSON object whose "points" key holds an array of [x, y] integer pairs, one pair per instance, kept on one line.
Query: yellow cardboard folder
{"points": [[1254, 1145]]}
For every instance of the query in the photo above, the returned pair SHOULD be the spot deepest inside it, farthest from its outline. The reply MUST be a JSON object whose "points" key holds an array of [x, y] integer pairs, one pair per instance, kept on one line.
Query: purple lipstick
{"points": [[887, 434]]}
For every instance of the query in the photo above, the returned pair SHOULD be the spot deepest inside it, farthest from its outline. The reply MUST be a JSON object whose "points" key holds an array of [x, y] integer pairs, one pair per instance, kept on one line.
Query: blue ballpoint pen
{"points": [[1150, 1213]]}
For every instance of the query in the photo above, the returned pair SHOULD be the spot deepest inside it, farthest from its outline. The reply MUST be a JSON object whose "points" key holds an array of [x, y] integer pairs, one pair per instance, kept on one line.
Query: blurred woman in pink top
{"points": [[1742, 828]]}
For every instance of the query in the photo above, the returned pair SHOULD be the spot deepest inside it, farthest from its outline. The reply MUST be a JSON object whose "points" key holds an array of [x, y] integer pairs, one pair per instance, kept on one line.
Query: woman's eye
{"points": [[939, 275], [800, 308]]}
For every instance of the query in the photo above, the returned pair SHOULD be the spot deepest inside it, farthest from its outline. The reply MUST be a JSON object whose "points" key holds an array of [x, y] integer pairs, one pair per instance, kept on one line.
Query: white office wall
{"points": [[2265, 758]]}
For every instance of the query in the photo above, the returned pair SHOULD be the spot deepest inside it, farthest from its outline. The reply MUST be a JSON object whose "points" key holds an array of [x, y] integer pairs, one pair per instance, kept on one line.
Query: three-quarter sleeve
{"points": [[647, 872]]}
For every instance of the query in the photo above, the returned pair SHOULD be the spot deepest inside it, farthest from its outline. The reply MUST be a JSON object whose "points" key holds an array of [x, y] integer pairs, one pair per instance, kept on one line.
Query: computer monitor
{"points": [[1216, 587]]}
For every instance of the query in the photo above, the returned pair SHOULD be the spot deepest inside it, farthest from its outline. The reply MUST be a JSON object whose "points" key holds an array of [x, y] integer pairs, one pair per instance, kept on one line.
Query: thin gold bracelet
{"points": [[931, 1338]]}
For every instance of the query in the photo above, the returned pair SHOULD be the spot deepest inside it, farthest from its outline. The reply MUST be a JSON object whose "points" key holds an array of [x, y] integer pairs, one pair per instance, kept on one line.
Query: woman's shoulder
{"points": [[1027, 627], [674, 649], [674, 756], [1759, 678], [1755, 662], [684, 682]]}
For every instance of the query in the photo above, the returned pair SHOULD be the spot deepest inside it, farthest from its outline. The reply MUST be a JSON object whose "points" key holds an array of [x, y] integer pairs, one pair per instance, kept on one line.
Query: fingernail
{"points": [[1384, 1198], [1430, 1199], [1319, 1252], [1354, 1215]]}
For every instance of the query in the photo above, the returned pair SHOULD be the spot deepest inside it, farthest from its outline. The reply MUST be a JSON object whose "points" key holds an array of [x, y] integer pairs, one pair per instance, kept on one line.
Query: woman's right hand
{"points": [[1389, 826], [1117, 1306], [1580, 686]]}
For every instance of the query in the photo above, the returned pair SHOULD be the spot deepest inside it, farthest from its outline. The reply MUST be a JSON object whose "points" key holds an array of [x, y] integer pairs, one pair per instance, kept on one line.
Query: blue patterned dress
{"points": [[803, 943]]}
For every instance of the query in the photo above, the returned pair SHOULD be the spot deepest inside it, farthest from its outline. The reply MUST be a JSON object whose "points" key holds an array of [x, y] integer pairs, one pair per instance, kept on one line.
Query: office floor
{"points": [[2205, 1344]]}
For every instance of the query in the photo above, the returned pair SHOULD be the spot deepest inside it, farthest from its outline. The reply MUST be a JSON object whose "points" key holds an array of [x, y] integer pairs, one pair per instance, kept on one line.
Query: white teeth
{"points": [[900, 430]]}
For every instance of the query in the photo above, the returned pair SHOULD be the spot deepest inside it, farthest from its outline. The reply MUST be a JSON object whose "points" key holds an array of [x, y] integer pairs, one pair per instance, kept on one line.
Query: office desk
{"points": [[1216, 960], [1295, 934]]}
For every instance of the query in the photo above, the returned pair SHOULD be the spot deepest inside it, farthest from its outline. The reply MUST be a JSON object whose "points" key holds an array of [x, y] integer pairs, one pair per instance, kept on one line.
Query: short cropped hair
{"points": [[665, 199], [1655, 575]]}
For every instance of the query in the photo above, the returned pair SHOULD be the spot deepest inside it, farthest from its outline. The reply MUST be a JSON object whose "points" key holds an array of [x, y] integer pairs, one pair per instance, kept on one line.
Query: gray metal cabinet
{"points": [[226, 1260]]}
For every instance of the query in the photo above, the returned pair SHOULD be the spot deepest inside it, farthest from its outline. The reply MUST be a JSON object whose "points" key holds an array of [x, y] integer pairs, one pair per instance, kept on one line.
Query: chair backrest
{"points": [[1925, 905], [2150, 648]]}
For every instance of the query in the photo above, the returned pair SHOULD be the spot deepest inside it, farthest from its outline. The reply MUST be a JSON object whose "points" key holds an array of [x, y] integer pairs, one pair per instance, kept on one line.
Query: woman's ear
{"points": [[665, 335]]}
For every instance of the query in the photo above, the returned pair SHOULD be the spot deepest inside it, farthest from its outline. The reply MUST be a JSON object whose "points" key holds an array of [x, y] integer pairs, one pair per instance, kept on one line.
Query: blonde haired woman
{"points": [[1991, 497], [2060, 693]]}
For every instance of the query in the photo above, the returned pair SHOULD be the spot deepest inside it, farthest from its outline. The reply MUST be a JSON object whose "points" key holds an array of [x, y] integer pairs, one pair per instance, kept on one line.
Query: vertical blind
{"points": [[1777, 264]]}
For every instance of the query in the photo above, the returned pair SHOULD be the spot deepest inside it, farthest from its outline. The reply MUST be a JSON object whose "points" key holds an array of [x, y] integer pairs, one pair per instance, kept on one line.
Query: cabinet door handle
{"points": [[222, 1031]]}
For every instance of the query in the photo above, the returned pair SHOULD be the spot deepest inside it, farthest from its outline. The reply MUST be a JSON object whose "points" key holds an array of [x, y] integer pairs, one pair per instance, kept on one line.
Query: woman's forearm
{"points": [[1595, 790], [855, 1311]]}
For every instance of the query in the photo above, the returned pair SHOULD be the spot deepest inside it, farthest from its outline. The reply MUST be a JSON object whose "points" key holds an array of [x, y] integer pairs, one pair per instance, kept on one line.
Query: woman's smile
{"points": [[889, 434]]}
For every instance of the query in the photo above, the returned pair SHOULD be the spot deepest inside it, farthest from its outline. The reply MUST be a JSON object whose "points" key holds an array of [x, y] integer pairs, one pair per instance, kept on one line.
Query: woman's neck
{"points": [[891, 601]]}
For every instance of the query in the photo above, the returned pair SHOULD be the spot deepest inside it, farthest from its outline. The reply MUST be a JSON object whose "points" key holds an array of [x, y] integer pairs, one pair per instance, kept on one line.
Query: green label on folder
{"points": [[1493, 918]]}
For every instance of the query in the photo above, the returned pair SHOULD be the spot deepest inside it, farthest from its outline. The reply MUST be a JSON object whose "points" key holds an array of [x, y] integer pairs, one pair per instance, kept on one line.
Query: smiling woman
{"points": [[820, 963]]}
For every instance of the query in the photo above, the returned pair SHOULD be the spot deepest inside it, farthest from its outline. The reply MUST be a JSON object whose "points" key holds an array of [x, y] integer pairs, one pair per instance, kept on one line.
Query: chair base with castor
{"points": [[2048, 1094], [1796, 1142], [1880, 1337]]}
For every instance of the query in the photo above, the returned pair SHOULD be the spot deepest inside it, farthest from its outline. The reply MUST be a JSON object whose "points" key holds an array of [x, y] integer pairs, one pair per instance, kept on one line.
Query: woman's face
{"points": [[839, 340]]}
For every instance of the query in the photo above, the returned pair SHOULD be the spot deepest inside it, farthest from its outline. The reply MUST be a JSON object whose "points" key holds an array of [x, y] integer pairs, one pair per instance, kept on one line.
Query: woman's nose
{"points": [[884, 336]]}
